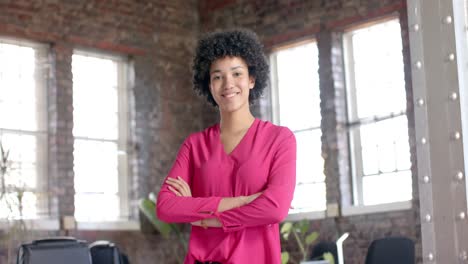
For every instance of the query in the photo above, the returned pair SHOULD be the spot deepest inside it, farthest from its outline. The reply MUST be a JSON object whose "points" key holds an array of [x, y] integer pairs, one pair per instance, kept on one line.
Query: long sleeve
{"points": [[273, 205], [174, 209]]}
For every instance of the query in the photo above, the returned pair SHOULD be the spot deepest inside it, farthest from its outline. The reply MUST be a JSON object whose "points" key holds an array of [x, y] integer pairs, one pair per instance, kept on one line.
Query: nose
{"points": [[228, 82]]}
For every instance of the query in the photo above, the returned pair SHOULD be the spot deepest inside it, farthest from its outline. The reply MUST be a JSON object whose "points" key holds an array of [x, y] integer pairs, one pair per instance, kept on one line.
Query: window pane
{"points": [[299, 109], [96, 130], [385, 146], [377, 89], [378, 70], [309, 197], [387, 188], [298, 87], [95, 101], [95, 166], [96, 207], [23, 159], [22, 116], [10, 209], [17, 88], [309, 156]]}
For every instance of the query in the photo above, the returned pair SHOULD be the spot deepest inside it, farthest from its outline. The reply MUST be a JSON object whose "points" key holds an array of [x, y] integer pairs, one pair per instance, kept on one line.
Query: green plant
{"points": [[16, 230], [148, 208], [304, 238]]}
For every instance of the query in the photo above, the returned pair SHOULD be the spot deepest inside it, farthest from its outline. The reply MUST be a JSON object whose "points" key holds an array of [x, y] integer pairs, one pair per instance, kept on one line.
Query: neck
{"points": [[235, 121]]}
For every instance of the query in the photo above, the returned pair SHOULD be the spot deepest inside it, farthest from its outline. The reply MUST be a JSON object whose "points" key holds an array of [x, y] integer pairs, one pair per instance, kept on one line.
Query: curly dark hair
{"points": [[241, 43]]}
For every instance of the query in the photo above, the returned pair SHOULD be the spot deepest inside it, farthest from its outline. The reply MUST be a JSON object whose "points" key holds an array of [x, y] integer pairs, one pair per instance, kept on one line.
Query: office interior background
{"points": [[96, 98]]}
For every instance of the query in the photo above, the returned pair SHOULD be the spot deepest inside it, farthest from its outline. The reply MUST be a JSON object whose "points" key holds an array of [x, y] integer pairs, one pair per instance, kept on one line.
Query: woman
{"points": [[235, 180]]}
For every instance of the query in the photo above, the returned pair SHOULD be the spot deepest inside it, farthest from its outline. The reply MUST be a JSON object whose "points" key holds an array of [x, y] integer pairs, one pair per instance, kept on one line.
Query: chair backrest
{"points": [[106, 252], [391, 250], [324, 247], [55, 250]]}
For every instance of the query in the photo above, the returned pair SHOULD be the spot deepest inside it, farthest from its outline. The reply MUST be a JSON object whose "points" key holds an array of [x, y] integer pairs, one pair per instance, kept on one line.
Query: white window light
{"points": [[296, 105], [23, 128], [378, 127], [100, 116]]}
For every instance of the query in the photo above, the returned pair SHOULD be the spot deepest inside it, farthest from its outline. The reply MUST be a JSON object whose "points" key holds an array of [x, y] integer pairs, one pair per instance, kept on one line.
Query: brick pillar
{"points": [[60, 110], [333, 110]]}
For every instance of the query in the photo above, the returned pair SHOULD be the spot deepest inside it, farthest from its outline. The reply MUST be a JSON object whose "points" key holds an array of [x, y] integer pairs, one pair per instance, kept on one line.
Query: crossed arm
{"points": [[176, 204], [181, 188]]}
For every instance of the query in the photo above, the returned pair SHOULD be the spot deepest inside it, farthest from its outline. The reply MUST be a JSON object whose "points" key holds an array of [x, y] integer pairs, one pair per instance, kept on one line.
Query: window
{"points": [[23, 129], [378, 128], [296, 105], [100, 136]]}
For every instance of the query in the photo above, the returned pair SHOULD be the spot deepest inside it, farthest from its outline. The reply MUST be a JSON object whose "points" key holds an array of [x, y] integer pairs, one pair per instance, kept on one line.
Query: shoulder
{"points": [[274, 131], [201, 136]]}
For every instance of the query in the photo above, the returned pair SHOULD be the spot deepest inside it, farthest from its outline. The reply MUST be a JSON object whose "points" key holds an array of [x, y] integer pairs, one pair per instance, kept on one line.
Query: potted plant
{"points": [[301, 233], [148, 208], [11, 198]]}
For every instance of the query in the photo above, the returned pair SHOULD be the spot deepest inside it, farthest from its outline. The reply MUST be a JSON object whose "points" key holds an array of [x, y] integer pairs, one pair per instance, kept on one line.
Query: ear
{"points": [[251, 82]]}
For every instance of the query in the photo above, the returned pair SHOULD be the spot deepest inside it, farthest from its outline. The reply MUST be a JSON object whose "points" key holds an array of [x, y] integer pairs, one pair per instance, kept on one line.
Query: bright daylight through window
{"points": [[378, 126], [100, 123], [23, 129], [296, 105]]}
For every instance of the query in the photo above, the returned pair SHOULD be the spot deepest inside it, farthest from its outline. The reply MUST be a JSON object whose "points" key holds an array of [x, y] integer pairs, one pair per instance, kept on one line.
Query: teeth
{"points": [[229, 95]]}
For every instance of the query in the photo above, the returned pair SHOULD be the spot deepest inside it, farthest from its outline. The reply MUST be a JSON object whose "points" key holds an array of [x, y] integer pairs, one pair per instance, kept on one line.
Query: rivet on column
{"points": [[420, 102], [451, 57], [428, 218], [418, 64], [462, 215], [459, 175], [448, 20], [456, 135], [453, 96], [426, 179]]}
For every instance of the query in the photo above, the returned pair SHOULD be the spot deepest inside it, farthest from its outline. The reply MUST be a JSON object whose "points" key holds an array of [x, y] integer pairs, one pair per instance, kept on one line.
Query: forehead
{"points": [[227, 63]]}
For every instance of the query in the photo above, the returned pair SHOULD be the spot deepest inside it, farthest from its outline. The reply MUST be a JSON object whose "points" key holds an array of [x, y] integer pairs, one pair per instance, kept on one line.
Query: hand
{"points": [[179, 187], [208, 222], [251, 198]]}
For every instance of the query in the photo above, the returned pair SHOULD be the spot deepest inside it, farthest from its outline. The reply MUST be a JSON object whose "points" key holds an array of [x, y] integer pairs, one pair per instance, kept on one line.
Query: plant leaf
{"points": [[304, 226], [284, 257], [148, 208], [286, 228], [311, 238], [329, 257]]}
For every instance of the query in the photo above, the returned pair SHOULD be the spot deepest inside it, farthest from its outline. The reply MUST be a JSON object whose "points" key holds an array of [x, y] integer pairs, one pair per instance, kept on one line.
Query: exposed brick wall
{"points": [[283, 22], [159, 37]]}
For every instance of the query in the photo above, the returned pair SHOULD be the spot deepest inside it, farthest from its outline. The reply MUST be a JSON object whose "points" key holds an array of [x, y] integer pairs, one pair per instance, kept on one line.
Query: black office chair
{"points": [[324, 247], [391, 250]]}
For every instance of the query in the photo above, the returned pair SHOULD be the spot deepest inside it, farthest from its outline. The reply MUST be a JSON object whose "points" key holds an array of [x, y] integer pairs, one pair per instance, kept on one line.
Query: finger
{"points": [[175, 183], [196, 223], [179, 187], [175, 191], [185, 185]]}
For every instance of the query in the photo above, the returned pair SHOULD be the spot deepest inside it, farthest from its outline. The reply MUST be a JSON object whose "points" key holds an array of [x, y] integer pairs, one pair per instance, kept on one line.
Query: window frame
{"points": [[357, 205], [275, 110], [42, 68], [124, 78]]}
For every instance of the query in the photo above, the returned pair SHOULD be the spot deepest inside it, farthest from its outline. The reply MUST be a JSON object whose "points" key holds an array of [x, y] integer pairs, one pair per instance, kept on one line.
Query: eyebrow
{"points": [[233, 68]]}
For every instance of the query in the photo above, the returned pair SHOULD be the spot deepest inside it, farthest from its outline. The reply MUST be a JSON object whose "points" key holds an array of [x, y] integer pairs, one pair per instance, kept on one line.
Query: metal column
{"points": [[439, 66]]}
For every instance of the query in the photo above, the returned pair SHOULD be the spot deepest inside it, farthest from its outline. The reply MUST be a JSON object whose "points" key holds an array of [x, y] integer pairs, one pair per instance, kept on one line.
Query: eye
{"points": [[237, 74], [215, 77]]}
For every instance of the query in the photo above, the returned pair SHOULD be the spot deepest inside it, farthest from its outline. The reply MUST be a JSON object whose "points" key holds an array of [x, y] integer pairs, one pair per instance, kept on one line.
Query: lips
{"points": [[229, 95]]}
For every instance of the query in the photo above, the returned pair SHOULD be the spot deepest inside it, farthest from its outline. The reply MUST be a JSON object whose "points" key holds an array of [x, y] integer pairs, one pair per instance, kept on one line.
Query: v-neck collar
{"points": [[244, 138]]}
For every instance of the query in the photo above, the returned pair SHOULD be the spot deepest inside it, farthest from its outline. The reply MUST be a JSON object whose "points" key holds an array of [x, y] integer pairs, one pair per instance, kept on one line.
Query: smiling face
{"points": [[230, 84]]}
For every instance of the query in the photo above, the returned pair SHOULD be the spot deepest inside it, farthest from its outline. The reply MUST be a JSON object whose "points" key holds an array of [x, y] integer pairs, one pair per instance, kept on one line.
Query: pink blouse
{"points": [[264, 160]]}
